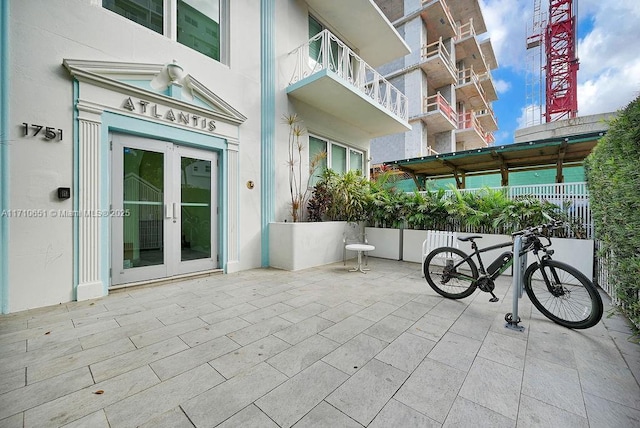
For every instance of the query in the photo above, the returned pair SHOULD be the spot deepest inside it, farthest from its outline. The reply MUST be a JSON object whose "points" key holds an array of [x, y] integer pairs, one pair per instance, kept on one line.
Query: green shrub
{"points": [[613, 179]]}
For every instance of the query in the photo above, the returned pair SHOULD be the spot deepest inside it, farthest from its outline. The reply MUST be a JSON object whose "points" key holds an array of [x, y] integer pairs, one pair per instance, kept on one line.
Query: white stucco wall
{"points": [[42, 35]]}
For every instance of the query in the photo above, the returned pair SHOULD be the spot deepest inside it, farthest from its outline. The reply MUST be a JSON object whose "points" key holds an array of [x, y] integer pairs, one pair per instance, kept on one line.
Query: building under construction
{"points": [[447, 79]]}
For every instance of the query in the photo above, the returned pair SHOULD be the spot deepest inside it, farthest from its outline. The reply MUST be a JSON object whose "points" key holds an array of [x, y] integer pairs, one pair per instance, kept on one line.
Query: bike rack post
{"points": [[519, 266]]}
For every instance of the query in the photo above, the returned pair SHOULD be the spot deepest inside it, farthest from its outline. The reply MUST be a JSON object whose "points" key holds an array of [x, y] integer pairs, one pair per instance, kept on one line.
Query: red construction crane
{"points": [[557, 33], [562, 63]]}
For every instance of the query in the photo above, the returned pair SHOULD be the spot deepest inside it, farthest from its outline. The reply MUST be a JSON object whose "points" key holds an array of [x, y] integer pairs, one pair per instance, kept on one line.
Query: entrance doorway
{"points": [[164, 209]]}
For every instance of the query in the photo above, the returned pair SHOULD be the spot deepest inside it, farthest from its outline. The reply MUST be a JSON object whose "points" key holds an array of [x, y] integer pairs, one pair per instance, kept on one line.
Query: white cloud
{"points": [[501, 86], [506, 22], [610, 90], [609, 74]]}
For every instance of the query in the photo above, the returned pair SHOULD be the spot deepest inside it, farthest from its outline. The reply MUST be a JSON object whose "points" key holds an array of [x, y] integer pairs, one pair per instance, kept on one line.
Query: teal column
{"points": [[267, 121], [4, 156]]}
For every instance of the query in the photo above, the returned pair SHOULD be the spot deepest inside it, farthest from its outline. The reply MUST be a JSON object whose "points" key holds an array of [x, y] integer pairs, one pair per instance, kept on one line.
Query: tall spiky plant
{"points": [[299, 191]]}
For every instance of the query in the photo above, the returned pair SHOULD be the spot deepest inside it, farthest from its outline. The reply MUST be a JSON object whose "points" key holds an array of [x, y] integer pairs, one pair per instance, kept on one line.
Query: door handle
{"points": [[168, 211], [175, 210]]}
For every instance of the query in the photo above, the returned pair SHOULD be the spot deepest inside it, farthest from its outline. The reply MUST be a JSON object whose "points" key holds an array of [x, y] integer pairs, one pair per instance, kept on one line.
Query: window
{"points": [[315, 47], [150, 14], [200, 24], [339, 158], [198, 19]]}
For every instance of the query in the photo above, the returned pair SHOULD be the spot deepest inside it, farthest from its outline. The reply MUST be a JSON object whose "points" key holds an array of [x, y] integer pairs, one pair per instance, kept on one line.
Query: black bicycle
{"points": [[561, 292]]}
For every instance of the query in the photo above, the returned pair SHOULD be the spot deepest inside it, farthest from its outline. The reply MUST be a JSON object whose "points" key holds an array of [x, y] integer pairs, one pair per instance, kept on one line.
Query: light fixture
{"points": [[175, 71]]}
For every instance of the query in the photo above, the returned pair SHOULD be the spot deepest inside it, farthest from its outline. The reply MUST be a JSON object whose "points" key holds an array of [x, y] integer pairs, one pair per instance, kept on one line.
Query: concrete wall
{"points": [[563, 128]]}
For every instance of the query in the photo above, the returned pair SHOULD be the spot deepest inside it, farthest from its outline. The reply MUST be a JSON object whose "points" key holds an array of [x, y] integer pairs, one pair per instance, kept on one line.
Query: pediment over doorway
{"points": [[167, 81]]}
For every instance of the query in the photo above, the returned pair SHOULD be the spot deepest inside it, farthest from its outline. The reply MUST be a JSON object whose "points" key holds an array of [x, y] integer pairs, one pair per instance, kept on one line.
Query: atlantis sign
{"points": [[179, 117]]}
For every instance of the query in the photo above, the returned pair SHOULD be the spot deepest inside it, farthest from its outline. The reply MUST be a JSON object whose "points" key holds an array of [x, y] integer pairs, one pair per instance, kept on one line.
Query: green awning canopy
{"points": [[553, 152]]}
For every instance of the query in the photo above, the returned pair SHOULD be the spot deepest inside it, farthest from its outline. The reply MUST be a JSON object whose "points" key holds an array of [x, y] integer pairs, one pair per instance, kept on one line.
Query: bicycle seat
{"points": [[468, 238]]}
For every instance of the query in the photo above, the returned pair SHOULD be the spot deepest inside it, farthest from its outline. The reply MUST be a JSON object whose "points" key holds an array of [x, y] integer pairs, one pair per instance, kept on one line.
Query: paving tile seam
{"points": [[559, 408], [347, 377]]}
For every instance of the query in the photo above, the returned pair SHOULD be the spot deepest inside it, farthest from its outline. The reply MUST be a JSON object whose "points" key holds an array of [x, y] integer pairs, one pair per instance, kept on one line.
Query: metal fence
{"points": [[603, 262]]}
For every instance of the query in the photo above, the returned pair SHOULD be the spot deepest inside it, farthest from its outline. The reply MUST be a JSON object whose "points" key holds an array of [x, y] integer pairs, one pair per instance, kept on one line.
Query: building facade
{"points": [[142, 140], [447, 78]]}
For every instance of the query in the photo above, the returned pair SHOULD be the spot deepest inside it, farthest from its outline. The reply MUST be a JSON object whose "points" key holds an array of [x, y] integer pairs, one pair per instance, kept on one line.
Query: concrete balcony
{"points": [[330, 77], [438, 114], [437, 64], [486, 82], [470, 134], [438, 20], [363, 24], [469, 90], [468, 49], [487, 119]]}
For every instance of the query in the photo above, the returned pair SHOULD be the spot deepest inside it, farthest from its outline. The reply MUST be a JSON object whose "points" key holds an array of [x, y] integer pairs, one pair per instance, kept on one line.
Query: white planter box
{"points": [[296, 246], [388, 242], [412, 245]]}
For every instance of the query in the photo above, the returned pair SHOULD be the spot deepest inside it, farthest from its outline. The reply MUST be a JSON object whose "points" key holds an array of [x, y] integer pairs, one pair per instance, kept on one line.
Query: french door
{"points": [[164, 207]]}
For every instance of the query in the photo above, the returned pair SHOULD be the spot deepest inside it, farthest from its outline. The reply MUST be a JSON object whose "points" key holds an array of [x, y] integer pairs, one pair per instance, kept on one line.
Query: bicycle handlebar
{"points": [[540, 230]]}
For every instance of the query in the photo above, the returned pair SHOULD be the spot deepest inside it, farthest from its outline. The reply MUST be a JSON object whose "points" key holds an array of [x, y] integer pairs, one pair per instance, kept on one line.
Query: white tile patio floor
{"points": [[322, 347]]}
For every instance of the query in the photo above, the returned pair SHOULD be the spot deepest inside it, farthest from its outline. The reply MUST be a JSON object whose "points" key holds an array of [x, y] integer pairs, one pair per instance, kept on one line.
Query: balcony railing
{"points": [[468, 76], [438, 103], [466, 30], [325, 52], [436, 49], [469, 120]]}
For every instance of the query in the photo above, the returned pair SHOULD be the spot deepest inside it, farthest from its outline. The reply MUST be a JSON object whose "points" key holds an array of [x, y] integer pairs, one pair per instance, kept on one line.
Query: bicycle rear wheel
{"points": [[563, 294], [450, 272]]}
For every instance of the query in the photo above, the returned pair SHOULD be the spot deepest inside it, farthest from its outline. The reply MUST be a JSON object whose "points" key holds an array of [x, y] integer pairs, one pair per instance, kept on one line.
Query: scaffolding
{"points": [[534, 66]]}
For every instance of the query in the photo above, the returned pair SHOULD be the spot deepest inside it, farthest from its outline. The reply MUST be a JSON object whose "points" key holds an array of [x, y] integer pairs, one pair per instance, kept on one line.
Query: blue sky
{"points": [[608, 50]]}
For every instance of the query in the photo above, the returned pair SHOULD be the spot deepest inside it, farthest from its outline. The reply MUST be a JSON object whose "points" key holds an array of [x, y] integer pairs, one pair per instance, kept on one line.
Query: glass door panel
{"points": [[143, 200], [195, 192]]}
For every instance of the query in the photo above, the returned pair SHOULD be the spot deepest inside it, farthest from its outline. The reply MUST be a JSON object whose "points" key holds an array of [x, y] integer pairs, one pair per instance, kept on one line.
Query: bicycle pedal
{"points": [[493, 299]]}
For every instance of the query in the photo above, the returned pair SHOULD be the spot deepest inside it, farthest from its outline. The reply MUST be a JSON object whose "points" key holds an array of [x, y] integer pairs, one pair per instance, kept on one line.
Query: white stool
{"points": [[359, 248]]}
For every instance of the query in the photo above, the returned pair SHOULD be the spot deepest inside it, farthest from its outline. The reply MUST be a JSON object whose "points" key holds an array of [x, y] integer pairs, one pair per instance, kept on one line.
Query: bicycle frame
{"points": [[477, 251]]}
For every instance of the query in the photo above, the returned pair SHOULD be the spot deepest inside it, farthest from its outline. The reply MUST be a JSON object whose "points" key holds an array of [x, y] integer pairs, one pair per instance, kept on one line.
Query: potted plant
{"points": [[386, 218]]}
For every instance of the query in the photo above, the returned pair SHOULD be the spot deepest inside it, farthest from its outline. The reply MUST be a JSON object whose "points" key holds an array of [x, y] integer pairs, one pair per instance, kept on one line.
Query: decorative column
{"points": [[267, 122], [87, 224], [233, 202], [4, 156]]}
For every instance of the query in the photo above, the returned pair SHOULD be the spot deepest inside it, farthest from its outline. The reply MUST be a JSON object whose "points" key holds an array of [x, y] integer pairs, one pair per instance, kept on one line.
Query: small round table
{"points": [[359, 248]]}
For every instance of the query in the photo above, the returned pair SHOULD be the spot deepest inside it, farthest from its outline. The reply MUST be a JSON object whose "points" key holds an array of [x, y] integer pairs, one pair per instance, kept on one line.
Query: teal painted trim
{"points": [[267, 122], [74, 190], [223, 219], [4, 156]]}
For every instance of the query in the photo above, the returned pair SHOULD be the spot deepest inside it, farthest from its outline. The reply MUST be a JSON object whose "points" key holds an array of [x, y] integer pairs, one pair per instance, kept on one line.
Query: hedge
{"points": [[613, 178]]}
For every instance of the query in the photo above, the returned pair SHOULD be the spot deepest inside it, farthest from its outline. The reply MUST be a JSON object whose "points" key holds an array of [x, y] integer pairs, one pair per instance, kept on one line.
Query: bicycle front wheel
{"points": [[450, 272], [563, 294]]}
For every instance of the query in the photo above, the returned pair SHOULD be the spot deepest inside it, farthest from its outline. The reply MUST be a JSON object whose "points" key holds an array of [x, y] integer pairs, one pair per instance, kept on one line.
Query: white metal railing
{"points": [[324, 51]]}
